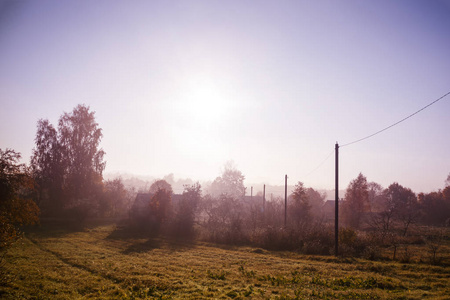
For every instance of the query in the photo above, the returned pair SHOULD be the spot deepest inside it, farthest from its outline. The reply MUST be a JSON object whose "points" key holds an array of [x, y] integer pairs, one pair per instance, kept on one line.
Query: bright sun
{"points": [[203, 106], [205, 102]]}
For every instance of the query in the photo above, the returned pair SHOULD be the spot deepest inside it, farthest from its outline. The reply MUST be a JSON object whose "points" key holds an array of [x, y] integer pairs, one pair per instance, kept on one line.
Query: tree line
{"points": [[65, 180], [370, 216], [396, 207]]}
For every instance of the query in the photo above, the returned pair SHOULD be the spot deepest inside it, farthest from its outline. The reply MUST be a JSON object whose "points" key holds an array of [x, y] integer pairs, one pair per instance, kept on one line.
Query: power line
{"points": [[404, 119], [328, 156]]}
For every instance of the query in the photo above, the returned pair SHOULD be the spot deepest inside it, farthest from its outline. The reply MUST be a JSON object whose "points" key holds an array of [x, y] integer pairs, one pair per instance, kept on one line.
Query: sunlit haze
{"points": [[183, 87]]}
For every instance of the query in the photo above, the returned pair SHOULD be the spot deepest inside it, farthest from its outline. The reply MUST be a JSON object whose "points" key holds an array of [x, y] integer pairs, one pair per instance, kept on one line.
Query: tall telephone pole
{"points": [[264, 197], [336, 201], [285, 200]]}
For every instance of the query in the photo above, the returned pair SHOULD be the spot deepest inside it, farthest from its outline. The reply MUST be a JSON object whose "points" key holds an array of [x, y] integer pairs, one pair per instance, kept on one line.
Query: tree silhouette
{"points": [[356, 201], [300, 208], [48, 166], [186, 210], [403, 202], [231, 182], [68, 163], [80, 138], [435, 207], [115, 199]]}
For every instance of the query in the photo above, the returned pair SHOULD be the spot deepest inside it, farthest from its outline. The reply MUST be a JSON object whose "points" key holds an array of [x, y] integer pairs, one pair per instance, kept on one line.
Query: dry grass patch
{"points": [[112, 263]]}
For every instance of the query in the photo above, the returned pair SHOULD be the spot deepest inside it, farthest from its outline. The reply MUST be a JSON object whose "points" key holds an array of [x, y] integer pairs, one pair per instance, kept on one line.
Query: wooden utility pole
{"points": [[285, 200], [251, 193], [264, 197], [336, 201]]}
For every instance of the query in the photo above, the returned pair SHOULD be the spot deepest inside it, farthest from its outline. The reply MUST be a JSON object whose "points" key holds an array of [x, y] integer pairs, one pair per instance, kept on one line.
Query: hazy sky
{"points": [[184, 86]]}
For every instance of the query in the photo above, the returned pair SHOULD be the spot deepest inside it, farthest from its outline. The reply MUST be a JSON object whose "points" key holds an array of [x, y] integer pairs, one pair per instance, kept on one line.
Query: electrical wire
{"points": [[328, 156], [404, 119]]}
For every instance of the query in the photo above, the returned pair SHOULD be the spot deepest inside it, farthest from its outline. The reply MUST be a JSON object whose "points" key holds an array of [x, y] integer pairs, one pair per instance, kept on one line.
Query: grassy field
{"points": [[106, 261]]}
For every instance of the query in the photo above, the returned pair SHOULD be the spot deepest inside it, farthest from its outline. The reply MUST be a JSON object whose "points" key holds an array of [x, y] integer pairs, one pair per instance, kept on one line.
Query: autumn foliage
{"points": [[16, 205]]}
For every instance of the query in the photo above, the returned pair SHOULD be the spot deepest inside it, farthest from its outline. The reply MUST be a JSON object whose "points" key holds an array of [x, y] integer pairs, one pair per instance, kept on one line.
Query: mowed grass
{"points": [[108, 262]]}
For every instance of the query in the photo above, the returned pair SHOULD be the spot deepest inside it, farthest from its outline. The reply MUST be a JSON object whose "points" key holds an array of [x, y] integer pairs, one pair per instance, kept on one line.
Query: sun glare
{"points": [[205, 103]]}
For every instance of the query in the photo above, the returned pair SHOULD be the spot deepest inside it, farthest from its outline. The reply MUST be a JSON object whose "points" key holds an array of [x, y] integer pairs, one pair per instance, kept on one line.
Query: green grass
{"points": [[106, 262]]}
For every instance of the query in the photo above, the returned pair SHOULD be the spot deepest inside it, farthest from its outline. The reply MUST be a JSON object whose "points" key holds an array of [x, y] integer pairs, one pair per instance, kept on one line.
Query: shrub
{"points": [[319, 240], [224, 220], [352, 244], [278, 238]]}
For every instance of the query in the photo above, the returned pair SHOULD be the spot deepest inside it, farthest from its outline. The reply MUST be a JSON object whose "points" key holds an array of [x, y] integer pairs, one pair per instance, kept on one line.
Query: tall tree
{"points": [[316, 200], [403, 202], [230, 183], [115, 200], [383, 209], [48, 166], [80, 138], [435, 207], [299, 208], [356, 201], [69, 160]]}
